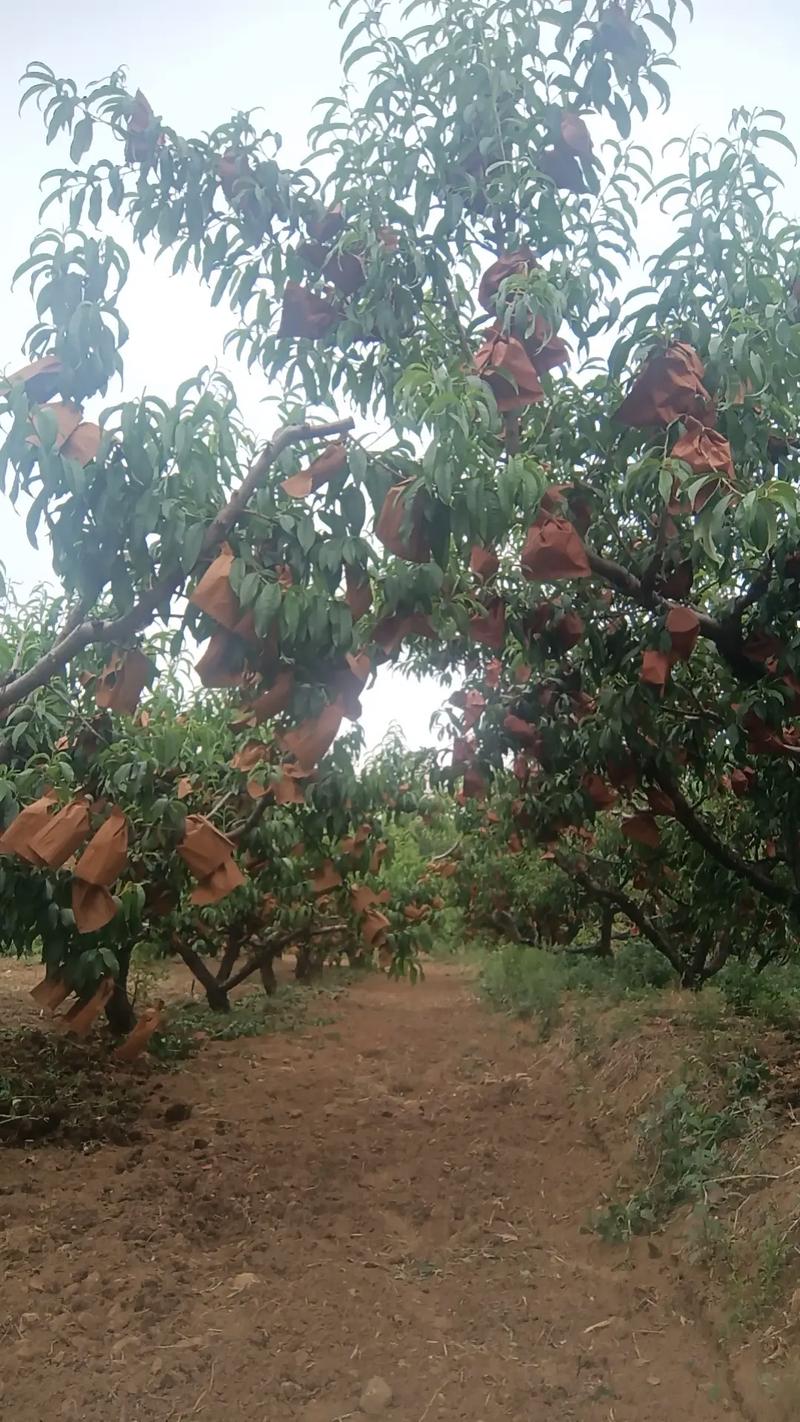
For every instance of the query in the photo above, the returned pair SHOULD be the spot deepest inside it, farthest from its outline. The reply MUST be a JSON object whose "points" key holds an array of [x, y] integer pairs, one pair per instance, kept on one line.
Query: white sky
{"points": [[198, 61]]}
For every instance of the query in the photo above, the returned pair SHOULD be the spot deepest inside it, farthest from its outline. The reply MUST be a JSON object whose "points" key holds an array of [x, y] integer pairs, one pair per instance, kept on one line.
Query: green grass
{"points": [[532, 982], [772, 996], [526, 982], [682, 1144], [253, 1015]]}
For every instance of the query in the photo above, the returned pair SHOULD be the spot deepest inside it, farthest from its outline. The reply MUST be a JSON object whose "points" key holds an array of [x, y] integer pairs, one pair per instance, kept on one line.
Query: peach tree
{"points": [[492, 458]]}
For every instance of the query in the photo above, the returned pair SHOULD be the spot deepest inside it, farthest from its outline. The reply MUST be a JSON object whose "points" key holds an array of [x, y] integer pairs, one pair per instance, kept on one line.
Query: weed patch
{"points": [[193, 1024], [682, 1142]]}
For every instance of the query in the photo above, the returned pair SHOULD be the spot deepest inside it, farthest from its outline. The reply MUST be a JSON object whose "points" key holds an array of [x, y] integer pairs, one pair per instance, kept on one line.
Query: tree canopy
{"points": [[496, 461]]}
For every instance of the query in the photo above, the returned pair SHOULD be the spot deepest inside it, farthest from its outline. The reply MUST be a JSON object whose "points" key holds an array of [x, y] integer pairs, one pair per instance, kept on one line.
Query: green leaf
{"points": [[248, 588], [192, 543], [781, 493], [81, 139], [357, 461], [266, 608], [306, 534]]}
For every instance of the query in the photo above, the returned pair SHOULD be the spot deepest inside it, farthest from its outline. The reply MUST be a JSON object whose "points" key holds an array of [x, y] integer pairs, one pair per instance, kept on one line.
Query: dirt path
{"points": [[401, 1193]]}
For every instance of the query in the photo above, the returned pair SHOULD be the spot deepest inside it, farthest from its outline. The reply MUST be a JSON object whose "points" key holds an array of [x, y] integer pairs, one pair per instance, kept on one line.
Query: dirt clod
{"points": [[376, 1396], [177, 1111]]}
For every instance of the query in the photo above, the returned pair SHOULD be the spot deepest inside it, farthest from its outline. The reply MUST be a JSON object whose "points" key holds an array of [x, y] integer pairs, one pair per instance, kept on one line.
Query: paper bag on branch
{"points": [[41, 379], [62, 834], [122, 681], [219, 883], [400, 525], [203, 847], [705, 451], [544, 348], [250, 755], [489, 628], [83, 443], [600, 794], [505, 366], [276, 699], [568, 630], [655, 668], [223, 662], [553, 551], [517, 263], [18, 837], [374, 927], [642, 829], [106, 854], [310, 741], [390, 633], [358, 595], [214, 594], [82, 1016], [325, 467], [67, 417], [483, 562], [141, 137], [362, 897], [325, 878], [288, 790], [305, 314], [669, 387], [522, 730], [562, 168], [659, 801], [92, 905], [683, 626], [377, 856], [575, 135]]}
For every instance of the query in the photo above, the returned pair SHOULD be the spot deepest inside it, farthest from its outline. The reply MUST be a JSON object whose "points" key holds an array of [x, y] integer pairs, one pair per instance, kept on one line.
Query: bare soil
{"points": [[403, 1193]]}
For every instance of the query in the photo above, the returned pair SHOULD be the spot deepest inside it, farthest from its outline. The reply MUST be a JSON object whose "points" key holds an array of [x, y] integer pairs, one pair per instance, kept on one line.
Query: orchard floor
{"points": [[402, 1193]]}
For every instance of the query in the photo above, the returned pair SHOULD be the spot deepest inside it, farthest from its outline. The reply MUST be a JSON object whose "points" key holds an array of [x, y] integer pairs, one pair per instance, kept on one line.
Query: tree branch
{"points": [[271, 948], [705, 837], [118, 629], [629, 907], [215, 992], [726, 635]]}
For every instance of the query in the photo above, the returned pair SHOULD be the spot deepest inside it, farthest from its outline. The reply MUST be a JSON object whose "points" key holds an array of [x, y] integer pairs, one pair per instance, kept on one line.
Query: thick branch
{"points": [[618, 577], [215, 992], [118, 629], [274, 945], [725, 634], [629, 907], [701, 832]]}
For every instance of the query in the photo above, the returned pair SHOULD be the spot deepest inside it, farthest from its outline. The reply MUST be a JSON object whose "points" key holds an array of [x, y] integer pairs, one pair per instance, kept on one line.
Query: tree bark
{"points": [[604, 949], [120, 1015], [227, 962], [267, 971], [216, 993]]}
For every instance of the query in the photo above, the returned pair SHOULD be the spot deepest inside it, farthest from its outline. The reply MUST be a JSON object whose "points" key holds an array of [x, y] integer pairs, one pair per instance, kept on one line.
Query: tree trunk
{"points": [[229, 959], [303, 963], [120, 1015], [267, 971], [606, 925], [694, 975], [216, 996]]}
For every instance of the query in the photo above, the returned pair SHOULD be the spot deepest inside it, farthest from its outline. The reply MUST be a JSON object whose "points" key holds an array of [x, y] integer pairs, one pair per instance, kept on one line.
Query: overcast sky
{"points": [[198, 62]]}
